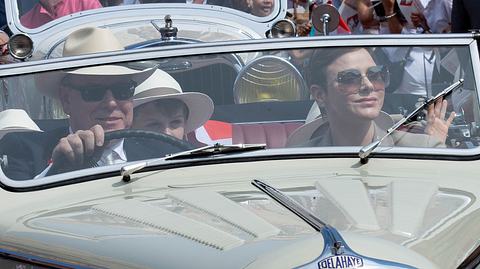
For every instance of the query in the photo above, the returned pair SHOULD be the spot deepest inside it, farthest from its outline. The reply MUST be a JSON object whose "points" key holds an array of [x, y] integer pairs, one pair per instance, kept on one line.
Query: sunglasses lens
{"points": [[378, 74], [352, 78], [123, 91], [92, 93], [349, 77]]}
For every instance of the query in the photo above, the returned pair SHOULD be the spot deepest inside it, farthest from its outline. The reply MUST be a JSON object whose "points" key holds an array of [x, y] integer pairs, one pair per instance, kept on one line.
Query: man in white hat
{"points": [[161, 106], [97, 99]]}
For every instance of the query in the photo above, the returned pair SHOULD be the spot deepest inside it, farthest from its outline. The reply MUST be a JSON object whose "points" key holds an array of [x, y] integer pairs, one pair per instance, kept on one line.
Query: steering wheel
{"points": [[143, 134], [136, 140]]}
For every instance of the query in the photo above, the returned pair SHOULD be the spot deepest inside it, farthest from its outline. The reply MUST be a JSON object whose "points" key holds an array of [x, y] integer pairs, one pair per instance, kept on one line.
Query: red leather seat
{"points": [[274, 135]]}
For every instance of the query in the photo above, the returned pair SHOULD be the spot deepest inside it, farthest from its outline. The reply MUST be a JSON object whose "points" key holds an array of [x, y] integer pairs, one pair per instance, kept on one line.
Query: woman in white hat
{"points": [[161, 106]]}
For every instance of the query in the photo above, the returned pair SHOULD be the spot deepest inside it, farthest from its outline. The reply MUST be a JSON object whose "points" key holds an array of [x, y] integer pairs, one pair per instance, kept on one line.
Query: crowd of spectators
{"points": [[394, 16], [358, 16], [361, 16], [34, 14]]}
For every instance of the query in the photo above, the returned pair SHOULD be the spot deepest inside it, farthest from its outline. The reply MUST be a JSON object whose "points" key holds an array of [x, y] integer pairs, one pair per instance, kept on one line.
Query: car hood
{"points": [[212, 217]]}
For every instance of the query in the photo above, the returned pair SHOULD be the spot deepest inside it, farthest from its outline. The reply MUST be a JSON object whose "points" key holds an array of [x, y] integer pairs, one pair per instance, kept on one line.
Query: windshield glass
{"points": [[55, 122], [35, 13]]}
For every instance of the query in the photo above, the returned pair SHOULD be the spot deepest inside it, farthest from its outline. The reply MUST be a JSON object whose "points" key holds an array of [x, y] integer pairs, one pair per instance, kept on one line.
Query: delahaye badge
{"points": [[341, 261]]}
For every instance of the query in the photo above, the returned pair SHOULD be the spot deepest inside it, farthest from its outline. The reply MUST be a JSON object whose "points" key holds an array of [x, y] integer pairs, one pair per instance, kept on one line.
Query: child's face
{"points": [[262, 8], [167, 119]]}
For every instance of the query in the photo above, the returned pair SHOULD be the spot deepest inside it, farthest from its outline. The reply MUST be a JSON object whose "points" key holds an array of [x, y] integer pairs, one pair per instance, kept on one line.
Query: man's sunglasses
{"points": [[96, 93], [378, 75]]}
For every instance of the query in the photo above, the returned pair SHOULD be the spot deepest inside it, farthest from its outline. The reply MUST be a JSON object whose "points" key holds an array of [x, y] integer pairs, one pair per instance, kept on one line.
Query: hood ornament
{"points": [[336, 253], [168, 32]]}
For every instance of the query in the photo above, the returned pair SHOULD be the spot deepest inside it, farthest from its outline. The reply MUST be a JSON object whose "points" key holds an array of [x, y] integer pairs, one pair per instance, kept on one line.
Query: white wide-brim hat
{"points": [[86, 41], [160, 85], [16, 120]]}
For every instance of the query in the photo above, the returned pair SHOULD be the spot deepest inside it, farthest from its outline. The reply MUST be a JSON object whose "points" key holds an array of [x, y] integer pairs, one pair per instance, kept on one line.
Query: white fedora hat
{"points": [[160, 85], [86, 41], [90, 40], [16, 120]]}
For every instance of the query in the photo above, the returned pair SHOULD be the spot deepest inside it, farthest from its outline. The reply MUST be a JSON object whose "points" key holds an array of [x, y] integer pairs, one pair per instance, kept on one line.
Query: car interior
{"points": [[266, 100]]}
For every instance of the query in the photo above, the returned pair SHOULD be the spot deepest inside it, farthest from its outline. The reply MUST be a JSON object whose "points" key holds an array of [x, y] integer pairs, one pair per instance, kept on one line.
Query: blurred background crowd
{"points": [[393, 16], [358, 16]]}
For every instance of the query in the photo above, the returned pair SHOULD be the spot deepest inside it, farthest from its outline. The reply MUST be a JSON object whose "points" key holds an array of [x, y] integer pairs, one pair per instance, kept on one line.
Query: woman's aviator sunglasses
{"points": [[96, 93], [378, 75]]}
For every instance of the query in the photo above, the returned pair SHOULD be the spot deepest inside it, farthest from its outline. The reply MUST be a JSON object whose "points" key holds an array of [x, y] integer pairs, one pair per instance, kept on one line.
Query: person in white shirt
{"points": [[436, 18], [419, 62]]}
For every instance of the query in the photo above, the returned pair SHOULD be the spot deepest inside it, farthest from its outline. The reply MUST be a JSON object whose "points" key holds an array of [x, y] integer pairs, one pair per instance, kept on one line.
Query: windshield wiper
{"points": [[366, 150], [333, 240], [290, 204], [335, 252], [129, 169], [214, 150]]}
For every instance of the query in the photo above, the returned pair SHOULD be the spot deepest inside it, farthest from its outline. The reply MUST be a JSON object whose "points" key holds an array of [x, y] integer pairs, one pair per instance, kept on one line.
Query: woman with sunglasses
{"points": [[350, 86]]}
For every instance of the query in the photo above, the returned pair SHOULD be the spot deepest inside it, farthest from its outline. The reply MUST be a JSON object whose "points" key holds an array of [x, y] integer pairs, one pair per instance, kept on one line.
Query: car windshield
{"points": [[326, 98], [35, 13]]}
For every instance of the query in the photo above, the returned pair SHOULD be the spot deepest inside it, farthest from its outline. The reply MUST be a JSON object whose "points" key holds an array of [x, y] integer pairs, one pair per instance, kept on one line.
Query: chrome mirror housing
{"points": [[325, 18], [283, 28]]}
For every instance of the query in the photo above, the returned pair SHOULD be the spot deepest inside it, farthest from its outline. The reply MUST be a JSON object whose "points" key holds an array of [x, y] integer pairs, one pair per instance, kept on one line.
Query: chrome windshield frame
{"points": [[241, 46], [237, 47]]}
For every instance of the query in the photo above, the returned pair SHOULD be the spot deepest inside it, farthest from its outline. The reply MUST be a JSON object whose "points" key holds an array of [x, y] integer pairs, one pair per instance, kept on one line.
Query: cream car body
{"points": [[405, 208]]}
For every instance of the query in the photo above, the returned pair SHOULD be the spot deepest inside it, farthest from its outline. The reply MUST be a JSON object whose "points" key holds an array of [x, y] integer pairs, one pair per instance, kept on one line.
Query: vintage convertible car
{"points": [[137, 23], [268, 181]]}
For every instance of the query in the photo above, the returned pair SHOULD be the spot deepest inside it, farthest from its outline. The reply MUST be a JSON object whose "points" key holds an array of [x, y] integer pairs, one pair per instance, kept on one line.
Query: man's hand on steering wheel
{"points": [[74, 150], [83, 148]]}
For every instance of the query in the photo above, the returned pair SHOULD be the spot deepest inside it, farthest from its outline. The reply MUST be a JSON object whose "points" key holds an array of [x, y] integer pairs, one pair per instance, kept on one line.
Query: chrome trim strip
{"points": [[476, 71], [36, 260], [270, 154]]}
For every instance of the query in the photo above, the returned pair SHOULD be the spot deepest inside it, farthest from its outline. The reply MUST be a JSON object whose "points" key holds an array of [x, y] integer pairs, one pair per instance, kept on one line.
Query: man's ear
{"points": [[65, 99]]}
